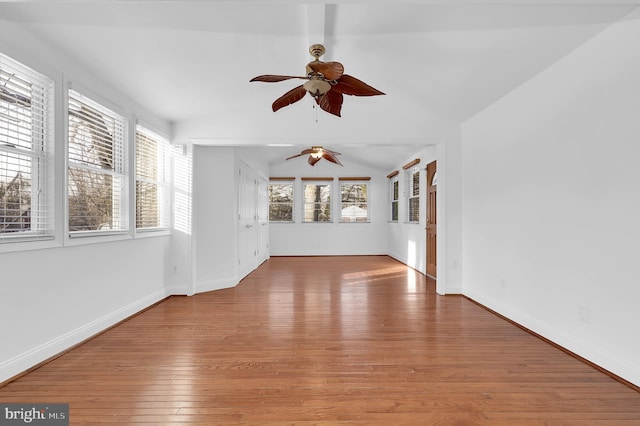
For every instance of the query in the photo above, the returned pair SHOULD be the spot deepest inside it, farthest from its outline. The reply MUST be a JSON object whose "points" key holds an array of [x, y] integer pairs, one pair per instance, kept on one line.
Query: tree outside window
{"points": [[353, 202], [26, 139], [317, 202], [281, 201], [96, 173]]}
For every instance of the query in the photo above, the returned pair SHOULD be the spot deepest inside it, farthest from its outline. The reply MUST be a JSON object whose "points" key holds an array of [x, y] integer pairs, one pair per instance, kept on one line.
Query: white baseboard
{"points": [[598, 356], [29, 359], [211, 285]]}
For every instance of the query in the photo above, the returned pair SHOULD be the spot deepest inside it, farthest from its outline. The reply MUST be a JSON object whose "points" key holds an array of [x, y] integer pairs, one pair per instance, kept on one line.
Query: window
{"points": [[354, 205], [317, 201], [412, 190], [281, 200], [152, 206], [97, 175], [26, 152], [394, 195]]}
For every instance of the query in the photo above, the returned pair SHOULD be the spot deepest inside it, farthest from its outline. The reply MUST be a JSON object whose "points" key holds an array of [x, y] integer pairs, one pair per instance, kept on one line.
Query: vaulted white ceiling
{"points": [[438, 62]]}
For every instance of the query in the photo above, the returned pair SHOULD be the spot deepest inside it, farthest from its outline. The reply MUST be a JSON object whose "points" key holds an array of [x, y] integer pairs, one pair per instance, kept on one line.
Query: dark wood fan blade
{"points": [[330, 70], [304, 152], [350, 85], [331, 157], [294, 156], [313, 160], [275, 78], [331, 102], [292, 96], [331, 152]]}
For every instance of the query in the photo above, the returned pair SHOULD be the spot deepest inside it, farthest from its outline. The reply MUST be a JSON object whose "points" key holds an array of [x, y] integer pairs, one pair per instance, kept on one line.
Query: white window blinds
{"points": [[26, 152], [152, 201], [412, 193], [97, 175]]}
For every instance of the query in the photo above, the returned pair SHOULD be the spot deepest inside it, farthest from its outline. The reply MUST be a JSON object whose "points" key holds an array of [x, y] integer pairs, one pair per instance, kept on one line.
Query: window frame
{"points": [[27, 135], [346, 204], [412, 191], [393, 193], [120, 168], [317, 181], [161, 181], [288, 181]]}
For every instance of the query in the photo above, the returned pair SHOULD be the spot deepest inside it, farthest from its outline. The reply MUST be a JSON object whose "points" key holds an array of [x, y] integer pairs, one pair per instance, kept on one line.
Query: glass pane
{"points": [[146, 157], [91, 136], [353, 192], [434, 179], [282, 212], [414, 209], [147, 205], [415, 184], [354, 212], [281, 202], [353, 202], [281, 193], [394, 211], [317, 203], [93, 200], [15, 192]]}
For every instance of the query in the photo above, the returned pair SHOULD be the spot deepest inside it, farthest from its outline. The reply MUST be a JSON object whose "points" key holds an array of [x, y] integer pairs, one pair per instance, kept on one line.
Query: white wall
{"points": [[55, 298], [551, 204], [215, 238], [52, 298], [210, 249], [335, 238]]}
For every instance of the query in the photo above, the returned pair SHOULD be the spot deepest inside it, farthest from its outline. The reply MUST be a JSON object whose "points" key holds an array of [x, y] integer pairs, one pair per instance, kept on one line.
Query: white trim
{"points": [[219, 284], [28, 359], [601, 357]]}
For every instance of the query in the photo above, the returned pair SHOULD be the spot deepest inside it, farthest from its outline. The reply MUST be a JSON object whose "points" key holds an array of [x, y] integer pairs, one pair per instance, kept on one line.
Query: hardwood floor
{"points": [[325, 340]]}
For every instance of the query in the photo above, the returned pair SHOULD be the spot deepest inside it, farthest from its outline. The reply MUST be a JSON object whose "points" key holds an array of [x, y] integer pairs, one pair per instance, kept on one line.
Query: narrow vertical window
{"points": [[394, 195], [281, 200], [152, 204], [26, 152], [317, 201], [97, 175], [412, 190], [354, 204]]}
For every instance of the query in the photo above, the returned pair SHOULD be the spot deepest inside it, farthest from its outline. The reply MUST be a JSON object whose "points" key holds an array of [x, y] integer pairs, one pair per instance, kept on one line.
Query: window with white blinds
{"points": [[97, 173], [152, 203], [26, 153], [412, 193], [394, 195]]}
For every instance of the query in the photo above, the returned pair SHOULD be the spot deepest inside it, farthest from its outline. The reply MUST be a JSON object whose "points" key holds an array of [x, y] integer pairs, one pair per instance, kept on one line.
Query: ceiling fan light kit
{"points": [[326, 83]]}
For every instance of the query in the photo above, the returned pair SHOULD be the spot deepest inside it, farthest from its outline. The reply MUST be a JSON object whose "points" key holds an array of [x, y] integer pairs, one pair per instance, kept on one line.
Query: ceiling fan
{"points": [[326, 84], [316, 153]]}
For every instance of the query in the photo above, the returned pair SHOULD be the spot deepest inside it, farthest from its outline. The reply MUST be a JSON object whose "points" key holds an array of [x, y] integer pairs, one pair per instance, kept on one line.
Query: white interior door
{"points": [[247, 220]]}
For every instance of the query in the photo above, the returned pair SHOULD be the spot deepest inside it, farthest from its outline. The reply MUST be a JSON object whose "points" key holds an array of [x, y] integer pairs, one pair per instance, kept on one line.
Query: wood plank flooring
{"points": [[325, 340]]}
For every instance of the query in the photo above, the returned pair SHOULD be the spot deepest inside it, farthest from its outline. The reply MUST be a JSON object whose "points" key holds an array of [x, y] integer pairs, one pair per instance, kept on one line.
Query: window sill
{"points": [[152, 232], [23, 243]]}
